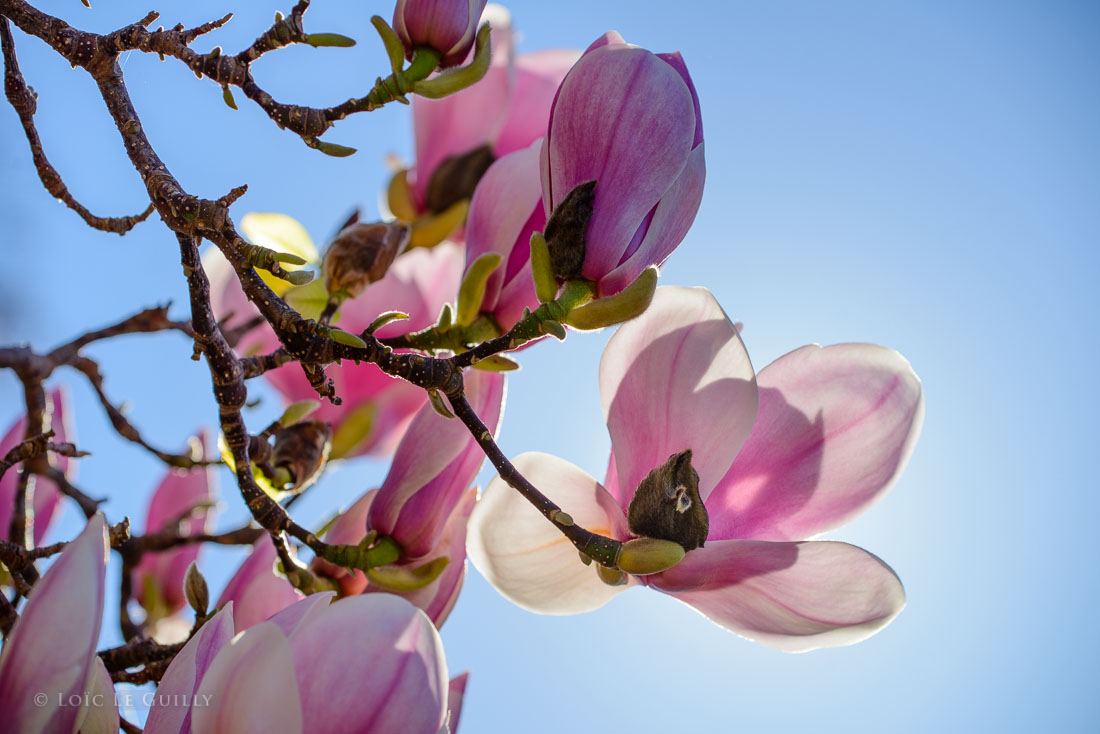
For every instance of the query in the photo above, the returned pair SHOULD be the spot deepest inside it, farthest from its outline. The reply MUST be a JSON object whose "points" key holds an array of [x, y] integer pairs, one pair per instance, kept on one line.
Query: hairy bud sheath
{"points": [[667, 504], [196, 590], [456, 178], [565, 231], [362, 254], [302, 450]]}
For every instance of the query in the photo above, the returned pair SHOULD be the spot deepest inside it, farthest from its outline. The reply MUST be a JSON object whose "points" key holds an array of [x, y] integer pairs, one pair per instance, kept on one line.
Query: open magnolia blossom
{"points": [[798, 449], [368, 664]]}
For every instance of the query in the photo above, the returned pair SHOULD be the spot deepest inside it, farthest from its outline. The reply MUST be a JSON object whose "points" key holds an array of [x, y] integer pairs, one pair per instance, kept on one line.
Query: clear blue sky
{"points": [[921, 175]]}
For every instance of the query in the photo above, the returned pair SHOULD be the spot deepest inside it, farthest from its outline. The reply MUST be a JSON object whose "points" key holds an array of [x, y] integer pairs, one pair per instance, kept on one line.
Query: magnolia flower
{"points": [[46, 496], [629, 120], [505, 211], [375, 407], [447, 26], [459, 136], [51, 649], [368, 663], [804, 446], [424, 502], [184, 502], [256, 590]]}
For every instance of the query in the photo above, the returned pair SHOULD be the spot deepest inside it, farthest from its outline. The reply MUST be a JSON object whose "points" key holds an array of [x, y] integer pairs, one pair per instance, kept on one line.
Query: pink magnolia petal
{"points": [[170, 712], [418, 283], [385, 673], [457, 124], [256, 591], [438, 598], [100, 715], [524, 556], [187, 495], [424, 514], [350, 528], [51, 647], [250, 686], [302, 612], [625, 118], [835, 428], [445, 25], [676, 61], [46, 495], [505, 199], [455, 693], [537, 78], [790, 596], [677, 377], [434, 464], [671, 221]]}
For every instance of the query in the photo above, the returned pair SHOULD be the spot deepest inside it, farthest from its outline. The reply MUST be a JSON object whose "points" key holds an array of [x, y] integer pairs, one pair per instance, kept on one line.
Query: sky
{"points": [[924, 176]]}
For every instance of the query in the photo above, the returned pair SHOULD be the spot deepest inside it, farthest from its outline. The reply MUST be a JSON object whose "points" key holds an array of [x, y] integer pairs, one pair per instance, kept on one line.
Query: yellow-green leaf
{"points": [[309, 299], [472, 290], [353, 431]]}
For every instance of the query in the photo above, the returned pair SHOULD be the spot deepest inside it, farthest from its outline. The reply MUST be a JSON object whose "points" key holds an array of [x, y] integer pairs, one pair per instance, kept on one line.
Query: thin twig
{"points": [[24, 101]]}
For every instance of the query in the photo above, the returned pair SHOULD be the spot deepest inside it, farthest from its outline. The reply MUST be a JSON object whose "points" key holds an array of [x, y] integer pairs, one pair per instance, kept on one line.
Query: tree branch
{"points": [[24, 101]]}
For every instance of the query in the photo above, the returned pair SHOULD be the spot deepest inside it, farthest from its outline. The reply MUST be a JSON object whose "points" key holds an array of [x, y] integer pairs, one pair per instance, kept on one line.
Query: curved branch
{"points": [[24, 101]]}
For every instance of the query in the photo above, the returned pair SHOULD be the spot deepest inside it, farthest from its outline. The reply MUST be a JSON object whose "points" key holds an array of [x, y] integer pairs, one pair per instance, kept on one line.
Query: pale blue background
{"points": [[921, 175]]}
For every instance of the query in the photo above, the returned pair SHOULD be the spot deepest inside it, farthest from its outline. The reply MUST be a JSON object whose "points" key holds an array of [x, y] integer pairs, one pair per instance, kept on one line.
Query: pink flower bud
{"points": [[447, 26], [629, 120], [183, 502], [436, 598], [46, 496], [434, 465]]}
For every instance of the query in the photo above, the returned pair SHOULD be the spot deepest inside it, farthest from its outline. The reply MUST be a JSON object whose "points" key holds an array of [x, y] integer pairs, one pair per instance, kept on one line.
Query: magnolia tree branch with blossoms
{"points": [[547, 190]]}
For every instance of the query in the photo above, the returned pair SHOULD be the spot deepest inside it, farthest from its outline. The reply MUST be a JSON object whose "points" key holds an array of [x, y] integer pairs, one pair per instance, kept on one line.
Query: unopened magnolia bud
{"points": [[611, 576], [667, 504], [196, 591], [460, 77], [565, 231], [302, 450], [628, 303], [643, 556], [361, 254], [456, 177]]}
